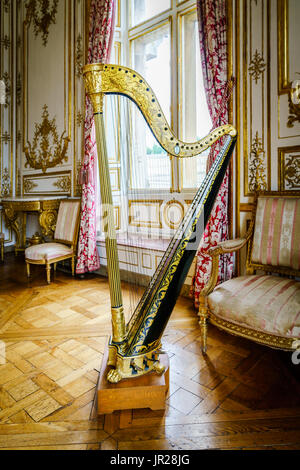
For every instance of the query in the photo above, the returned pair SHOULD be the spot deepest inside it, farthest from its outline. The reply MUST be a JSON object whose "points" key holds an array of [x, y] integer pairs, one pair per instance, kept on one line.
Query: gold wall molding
{"points": [[166, 213], [134, 218], [47, 149], [283, 46], [285, 82], [41, 13]]}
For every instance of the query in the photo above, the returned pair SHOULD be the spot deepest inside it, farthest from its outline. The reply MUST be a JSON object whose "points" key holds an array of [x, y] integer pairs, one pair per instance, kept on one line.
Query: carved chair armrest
{"points": [[228, 246]]}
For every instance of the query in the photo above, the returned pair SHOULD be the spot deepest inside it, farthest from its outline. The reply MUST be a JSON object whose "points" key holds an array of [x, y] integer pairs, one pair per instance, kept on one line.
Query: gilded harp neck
{"points": [[103, 79]]}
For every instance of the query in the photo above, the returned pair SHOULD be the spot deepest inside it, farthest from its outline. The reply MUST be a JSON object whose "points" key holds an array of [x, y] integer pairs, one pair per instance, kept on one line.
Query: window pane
{"points": [[142, 10], [150, 164], [196, 121]]}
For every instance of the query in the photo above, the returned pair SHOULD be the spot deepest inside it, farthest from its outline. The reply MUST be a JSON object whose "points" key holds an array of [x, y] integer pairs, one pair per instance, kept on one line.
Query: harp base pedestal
{"points": [[147, 391]]}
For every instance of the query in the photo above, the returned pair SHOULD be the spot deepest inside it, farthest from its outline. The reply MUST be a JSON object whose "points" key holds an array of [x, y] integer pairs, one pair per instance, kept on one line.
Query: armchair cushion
{"points": [[276, 239], [47, 251], [261, 302]]}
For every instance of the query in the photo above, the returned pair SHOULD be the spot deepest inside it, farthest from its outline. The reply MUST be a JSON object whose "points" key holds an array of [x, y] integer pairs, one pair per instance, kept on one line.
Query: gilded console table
{"points": [[15, 213]]}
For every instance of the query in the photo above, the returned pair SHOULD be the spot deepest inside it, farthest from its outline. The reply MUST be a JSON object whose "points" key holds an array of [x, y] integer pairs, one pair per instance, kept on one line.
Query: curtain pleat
{"points": [[213, 46], [101, 28]]}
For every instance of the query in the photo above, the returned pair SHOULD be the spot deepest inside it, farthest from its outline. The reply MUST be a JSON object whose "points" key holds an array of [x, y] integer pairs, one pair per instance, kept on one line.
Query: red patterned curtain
{"points": [[102, 15], [213, 46]]}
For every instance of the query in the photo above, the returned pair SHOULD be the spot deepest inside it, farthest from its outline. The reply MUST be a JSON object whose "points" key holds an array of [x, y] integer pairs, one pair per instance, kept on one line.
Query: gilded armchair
{"points": [[65, 240], [264, 304]]}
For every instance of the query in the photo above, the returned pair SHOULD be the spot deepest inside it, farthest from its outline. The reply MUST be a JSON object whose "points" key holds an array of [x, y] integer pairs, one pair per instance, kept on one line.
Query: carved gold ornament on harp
{"points": [[103, 79]]}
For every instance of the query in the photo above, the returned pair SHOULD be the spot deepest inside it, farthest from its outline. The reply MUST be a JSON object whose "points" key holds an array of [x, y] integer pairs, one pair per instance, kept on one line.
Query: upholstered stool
{"points": [[65, 240]]}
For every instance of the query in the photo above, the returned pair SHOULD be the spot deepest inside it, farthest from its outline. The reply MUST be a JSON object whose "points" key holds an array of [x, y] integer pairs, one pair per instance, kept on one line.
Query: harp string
{"points": [[175, 241]]}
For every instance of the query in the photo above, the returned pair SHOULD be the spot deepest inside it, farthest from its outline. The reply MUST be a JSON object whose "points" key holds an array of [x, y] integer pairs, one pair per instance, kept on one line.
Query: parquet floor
{"points": [[240, 396]]}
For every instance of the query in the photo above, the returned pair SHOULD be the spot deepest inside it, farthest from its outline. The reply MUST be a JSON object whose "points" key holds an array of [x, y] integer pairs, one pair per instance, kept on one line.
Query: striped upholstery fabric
{"points": [[47, 251], [276, 240], [264, 303], [67, 220]]}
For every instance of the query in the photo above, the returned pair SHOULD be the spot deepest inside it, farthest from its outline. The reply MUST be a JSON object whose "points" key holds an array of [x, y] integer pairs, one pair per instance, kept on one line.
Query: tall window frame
{"points": [[175, 15]]}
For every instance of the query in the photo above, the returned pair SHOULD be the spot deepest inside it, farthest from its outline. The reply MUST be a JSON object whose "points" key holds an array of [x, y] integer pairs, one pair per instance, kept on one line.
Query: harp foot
{"points": [[159, 368], [113, 376]]}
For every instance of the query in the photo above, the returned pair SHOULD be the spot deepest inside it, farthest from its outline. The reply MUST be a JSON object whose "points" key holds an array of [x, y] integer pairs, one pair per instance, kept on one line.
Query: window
{"points": [[142, 10], [164, 49], [195, 118], [151, 189], [151, 57]]}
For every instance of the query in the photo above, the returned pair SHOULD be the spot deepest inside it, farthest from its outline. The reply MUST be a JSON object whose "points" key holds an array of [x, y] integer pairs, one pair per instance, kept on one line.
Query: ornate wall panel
{"points": [[43, 47], [55, 184], [53, 48], [256, 112]]}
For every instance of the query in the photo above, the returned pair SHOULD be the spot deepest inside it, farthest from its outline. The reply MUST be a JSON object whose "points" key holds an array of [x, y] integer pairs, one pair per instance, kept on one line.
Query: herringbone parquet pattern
{"points": [[52, 339]]}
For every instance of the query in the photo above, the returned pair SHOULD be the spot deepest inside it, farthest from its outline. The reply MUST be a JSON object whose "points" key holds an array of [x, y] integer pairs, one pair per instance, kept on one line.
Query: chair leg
{"points": [[2, 251], [203, 317], [73, 266], [48, 270], [54, 267], [28, 269]]}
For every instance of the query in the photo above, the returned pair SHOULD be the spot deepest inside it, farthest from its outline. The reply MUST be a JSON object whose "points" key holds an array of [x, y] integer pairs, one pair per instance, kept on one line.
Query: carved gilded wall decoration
{"points": [[292, 171], [257, 176], [78, 186], [79, 119], [47, 149], [79, 56], [294, 105], [42, 14], [6, 5], [7, 82], [64, 184], [19, 89], [257, 66], [289, 168], [29, 185], [5, 183], [5, 137], [5, 42]]}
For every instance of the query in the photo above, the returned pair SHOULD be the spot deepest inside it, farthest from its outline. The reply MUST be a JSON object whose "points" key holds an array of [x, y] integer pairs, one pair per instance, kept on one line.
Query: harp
{"points": [[134, 347]]}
